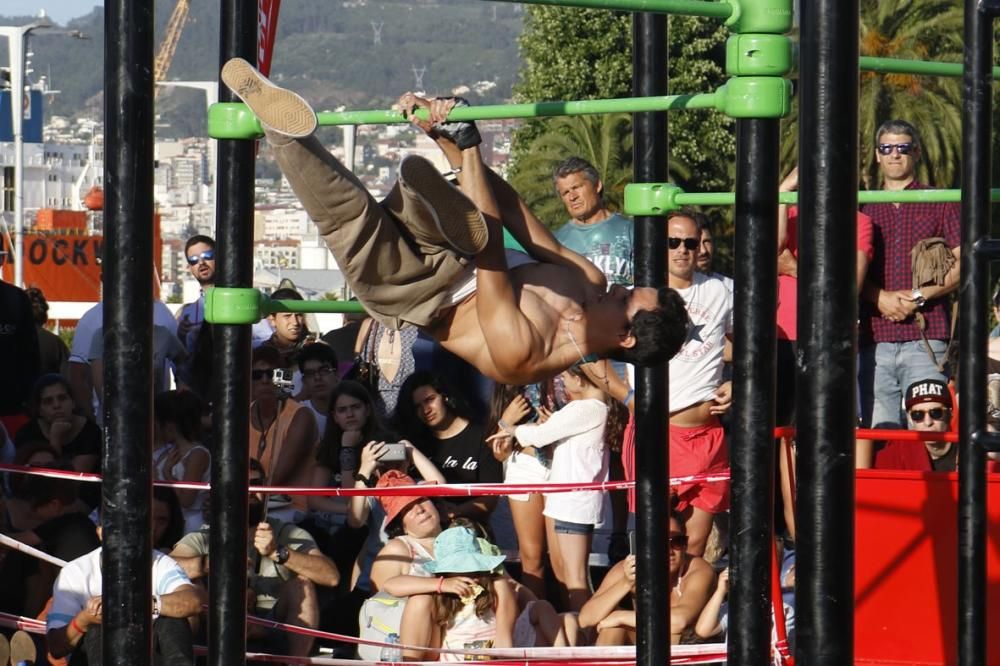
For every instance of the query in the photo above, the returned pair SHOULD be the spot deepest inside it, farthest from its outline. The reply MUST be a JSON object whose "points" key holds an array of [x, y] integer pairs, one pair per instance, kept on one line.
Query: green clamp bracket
{"points": [[233, 120], [758, 55], [773, 16], [755, 97], [234, 305], [651, 198]]}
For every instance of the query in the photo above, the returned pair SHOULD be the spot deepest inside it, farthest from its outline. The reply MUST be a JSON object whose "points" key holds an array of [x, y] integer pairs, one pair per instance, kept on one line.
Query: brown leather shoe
{"points": [[434, 211], [278, 109]]}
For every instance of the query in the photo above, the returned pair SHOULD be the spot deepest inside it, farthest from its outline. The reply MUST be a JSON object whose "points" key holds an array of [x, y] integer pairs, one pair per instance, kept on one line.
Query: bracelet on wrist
{"points": [[440, 584], [506, 427], [76, 627]]}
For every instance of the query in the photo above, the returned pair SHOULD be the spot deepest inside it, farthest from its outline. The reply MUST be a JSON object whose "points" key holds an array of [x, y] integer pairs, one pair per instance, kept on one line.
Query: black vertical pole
{"points": [[973, 302], [649, 132], [752, 435], [231, 387], [828, 308], [126, 560]]}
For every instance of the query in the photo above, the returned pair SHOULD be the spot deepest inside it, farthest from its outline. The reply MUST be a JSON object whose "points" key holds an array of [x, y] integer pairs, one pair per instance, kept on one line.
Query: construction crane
{"points": [[169, 46]]}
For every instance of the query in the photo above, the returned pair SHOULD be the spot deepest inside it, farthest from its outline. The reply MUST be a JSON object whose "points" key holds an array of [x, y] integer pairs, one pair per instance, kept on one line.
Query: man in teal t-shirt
{"points": [[605, 238]]}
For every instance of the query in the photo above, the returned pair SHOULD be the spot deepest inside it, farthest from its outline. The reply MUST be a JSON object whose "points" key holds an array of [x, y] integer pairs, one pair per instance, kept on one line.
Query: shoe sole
{"points": [[278, 109], [466, 233], [22, 649]]}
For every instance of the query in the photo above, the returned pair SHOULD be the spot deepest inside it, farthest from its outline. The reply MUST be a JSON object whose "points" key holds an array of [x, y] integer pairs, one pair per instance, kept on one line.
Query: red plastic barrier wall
{"points": [[906, 577]]}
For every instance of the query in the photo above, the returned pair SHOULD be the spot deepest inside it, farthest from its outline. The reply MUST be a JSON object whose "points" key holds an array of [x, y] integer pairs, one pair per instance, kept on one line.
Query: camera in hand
{"points": [[283, 382], [394, 452]]}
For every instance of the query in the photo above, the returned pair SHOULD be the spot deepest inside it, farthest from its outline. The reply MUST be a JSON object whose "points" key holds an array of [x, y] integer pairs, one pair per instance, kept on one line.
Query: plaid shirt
{"points": [[896, 231]]}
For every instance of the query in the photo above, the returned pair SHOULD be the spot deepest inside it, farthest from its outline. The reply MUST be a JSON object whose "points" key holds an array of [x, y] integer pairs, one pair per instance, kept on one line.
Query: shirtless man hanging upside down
{"points": [[431, 255]]}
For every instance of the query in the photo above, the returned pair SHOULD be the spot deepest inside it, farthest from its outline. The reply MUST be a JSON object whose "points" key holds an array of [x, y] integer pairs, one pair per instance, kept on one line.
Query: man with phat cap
{"points": [[928, 405]]}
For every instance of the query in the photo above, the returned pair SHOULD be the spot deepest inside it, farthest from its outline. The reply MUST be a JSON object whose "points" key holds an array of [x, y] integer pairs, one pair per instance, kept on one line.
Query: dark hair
{"points": [[183, 409], [407, 421], [175, 525], [328, 453], [897, 126], [198, 238], [572, 165], [318, 351], [39, 306], [701, 220], [394, 529], [40, 490], [659, 333], [266, 354], [42, 383], [22, 455], [286, 294]]}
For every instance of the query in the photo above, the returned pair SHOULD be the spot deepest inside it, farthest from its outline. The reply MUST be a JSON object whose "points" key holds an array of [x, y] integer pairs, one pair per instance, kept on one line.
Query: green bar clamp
{"points": [[758, 55], [756, 97], [233, 305], [233, 120], [774, 16], [651, 198]]}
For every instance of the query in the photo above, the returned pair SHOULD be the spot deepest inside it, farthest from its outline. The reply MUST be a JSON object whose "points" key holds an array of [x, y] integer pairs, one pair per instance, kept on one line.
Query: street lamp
{"points": [[16, 38]]}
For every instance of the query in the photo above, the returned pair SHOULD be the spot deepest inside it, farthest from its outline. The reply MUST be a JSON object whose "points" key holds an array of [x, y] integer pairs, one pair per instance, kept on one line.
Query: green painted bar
{"points": [[925, 67], [531, 110], [313, 306], [721, 10], [864, 196]]}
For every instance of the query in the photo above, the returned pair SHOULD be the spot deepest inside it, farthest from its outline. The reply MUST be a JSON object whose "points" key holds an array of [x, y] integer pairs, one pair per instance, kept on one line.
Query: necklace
{"points": [[585, 359]]}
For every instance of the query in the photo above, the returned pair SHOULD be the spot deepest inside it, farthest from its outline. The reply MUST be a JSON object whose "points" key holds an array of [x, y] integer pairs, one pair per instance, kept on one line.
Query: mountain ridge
{"points": [[326, 51]]}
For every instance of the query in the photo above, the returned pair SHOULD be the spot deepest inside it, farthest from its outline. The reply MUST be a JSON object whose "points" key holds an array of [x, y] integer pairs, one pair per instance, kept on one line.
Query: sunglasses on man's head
{"points": [[936, 414], [678, 541], [207, 255], [689, 243], [901, 148], [258, 375]]}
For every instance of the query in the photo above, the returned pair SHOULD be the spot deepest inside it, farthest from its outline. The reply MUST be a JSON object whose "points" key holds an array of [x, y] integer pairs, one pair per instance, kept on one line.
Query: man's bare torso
{"points": [[553, 298]]}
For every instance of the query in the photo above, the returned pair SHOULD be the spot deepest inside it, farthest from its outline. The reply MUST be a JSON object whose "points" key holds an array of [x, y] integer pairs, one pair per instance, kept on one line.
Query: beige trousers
{"points": [[400, 278]]}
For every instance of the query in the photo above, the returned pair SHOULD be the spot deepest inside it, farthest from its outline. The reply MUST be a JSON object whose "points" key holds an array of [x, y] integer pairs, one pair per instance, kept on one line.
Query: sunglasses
{"points": [[689, 243], [678, 541], [936, 414], [901, 148], [321, 371], [258, 375], [207, 255]]}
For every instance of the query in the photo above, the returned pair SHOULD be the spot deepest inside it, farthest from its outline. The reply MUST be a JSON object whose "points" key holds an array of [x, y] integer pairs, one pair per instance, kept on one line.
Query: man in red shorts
{"points": [[697, 393]]}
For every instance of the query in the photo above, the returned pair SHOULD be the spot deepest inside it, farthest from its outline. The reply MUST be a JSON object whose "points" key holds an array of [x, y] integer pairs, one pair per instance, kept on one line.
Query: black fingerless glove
{"points": [[463, 133]]}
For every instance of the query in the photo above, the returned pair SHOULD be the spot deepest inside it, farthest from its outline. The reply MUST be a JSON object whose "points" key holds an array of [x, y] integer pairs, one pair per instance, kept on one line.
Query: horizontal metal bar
{"points": [[721, 10], [312, 306], [990, 7], [988, 441], [924, 67], [988, 248], [531, 109], [864, 196]]}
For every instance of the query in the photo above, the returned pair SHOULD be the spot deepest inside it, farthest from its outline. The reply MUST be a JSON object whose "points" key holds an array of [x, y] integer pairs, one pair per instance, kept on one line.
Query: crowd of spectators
{"points": [[366, 406]]}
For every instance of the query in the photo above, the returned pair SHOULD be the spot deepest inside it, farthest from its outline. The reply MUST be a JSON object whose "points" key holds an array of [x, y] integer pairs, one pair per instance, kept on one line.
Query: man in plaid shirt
{"points": [[893, 355]]}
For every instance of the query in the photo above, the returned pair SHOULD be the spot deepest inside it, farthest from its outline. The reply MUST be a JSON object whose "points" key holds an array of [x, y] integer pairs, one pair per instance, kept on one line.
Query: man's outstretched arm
{"points": [[515, 215]]}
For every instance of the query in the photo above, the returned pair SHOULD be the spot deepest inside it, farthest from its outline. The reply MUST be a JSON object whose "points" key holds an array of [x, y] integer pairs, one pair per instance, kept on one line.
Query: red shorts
{"points": [[700, 450]]}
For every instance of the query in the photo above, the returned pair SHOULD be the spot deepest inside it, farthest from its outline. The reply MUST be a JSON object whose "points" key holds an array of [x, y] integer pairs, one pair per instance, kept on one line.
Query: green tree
{"points": [[587, 54], [912, 29]]}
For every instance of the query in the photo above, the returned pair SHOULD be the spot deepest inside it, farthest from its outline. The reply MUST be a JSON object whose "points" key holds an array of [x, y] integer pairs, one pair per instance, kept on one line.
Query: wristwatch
{"points": [[281, 555], [919, 299]]}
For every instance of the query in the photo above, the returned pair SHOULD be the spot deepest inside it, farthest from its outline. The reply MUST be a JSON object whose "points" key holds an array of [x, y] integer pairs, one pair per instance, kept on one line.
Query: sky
{"points": [[59, 11]]}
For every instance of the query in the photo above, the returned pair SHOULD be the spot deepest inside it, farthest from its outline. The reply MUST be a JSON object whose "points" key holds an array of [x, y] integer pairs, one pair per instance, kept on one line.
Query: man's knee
{"points": [[298, 598], [173, 641]]}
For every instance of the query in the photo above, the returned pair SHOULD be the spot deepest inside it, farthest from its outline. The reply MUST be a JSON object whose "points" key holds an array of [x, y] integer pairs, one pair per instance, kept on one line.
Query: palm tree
{"points": [[911, 29]]}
